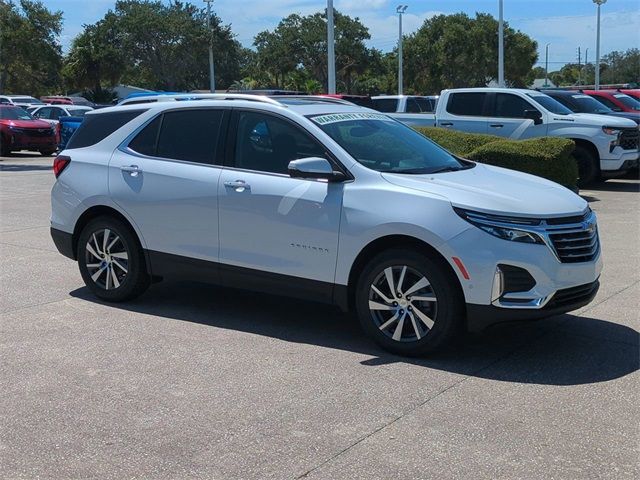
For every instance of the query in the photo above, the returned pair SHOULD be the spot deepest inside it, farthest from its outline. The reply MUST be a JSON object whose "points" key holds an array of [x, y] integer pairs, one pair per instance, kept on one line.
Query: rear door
{"points": [[465, 111], [166, 179], [507, 117]]}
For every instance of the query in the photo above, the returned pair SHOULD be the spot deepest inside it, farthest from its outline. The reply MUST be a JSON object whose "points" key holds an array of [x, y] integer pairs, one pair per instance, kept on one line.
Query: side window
{"points": [[56, 113], [267, 144], [511, 106], [98, 126], [386, 105], [190, 135], [145, 142], [412, 106], [44, 113], [425, 105], [608, 103], [470, 103]]}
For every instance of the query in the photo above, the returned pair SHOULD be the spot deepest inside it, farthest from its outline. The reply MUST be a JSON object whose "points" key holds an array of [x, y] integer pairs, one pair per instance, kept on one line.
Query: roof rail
{"points": [[198, 96], [312, 98]]}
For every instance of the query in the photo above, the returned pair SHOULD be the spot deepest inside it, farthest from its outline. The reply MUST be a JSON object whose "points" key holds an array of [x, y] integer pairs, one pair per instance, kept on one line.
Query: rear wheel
{"points": [[588, 166], [111, 260], [408, 303]]}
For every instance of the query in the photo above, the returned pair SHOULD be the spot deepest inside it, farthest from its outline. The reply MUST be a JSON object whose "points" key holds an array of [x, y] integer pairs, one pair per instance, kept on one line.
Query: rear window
{"points": [[96, 128], [387, 105], [471, 103]]}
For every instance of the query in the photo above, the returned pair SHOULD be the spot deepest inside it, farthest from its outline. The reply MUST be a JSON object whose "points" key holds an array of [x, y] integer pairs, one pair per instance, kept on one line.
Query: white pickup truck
{"points": [[605, 146], [413, 110]]}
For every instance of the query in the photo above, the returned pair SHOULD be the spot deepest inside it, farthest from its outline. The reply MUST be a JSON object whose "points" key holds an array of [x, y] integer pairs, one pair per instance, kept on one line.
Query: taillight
{"points": [[60, 163]]}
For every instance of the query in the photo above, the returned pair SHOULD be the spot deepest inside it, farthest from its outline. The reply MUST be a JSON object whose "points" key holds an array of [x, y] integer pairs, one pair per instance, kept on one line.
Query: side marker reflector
{"points": [[460, 266]]}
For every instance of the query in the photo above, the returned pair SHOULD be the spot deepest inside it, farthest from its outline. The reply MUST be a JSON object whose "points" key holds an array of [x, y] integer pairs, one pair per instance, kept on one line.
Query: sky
{"points": [[565, 24]]}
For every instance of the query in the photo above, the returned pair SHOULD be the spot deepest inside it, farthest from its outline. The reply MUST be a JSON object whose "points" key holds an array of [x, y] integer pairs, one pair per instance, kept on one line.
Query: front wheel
{"points": [[409, 303], [111, 260], [588, 166]]}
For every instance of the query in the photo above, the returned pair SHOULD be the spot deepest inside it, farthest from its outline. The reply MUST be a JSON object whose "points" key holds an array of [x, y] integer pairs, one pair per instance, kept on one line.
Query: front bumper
{"points": [[25, 142], [619, 161], [566, 300]]}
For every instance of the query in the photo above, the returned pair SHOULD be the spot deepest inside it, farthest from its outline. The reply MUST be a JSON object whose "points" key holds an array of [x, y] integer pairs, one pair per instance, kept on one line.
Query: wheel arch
{"points": [[387, 242], [104, 211], [588, 145]]}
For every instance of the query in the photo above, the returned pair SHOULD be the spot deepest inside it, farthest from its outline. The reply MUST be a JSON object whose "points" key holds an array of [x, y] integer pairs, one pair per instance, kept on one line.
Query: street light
{"points": [[400, 10], [212, 82], [546, 65], [500, 46], [599, 3], [331, 53]]}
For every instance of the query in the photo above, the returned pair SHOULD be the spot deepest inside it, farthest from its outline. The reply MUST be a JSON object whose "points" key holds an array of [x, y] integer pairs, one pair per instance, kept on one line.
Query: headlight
{"points": [[611, 131], [500, 226]]}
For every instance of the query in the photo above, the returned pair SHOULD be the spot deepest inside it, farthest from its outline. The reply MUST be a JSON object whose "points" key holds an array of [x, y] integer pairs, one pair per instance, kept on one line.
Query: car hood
{"points": [[26, 123], [630, 115], [602, 120], [496, 190]]}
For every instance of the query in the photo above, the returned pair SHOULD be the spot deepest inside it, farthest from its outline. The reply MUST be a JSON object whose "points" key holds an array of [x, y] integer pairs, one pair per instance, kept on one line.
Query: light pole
{"points": [[212, 81], [586, 62], [599, 3], [500, 46], [331, 52], [546, 65], [400, 10]]}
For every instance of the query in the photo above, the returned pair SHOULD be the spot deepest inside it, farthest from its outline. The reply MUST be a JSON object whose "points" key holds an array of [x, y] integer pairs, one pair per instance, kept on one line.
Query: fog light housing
{"points": [[498, 285]]}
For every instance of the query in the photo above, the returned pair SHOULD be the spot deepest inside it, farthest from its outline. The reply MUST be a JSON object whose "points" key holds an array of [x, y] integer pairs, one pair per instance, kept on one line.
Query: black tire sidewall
{"points": [[450, 306], [137, 276], [588, 168]]}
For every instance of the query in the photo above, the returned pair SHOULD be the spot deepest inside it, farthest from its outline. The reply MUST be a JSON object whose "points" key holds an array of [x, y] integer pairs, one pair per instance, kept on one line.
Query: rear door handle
{"points": [[497, 125], [238, 185], [446, 124], [133, 170]]}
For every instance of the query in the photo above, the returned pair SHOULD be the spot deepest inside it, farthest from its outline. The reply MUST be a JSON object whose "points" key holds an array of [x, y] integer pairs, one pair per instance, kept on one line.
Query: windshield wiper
{"points": [[448, 169]]}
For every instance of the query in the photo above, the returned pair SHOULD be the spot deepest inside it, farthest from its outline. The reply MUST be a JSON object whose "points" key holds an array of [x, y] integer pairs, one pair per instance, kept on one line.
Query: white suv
{"points": [[323, 201]]}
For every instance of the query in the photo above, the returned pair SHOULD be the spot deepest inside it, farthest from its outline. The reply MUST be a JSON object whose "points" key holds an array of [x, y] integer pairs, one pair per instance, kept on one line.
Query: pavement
{"points": [[193, 381]]}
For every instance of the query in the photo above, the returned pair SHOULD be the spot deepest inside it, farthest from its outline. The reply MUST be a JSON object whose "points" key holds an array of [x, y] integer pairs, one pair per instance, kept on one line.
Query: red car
{"points": [[632, 92], [20, 131], [616, 101]]}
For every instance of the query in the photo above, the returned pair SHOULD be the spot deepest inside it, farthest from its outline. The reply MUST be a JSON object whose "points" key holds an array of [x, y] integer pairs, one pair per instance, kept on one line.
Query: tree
{"points": [[154, 45], [621, 67], [30, 54], [451, 51], [300, 44]]}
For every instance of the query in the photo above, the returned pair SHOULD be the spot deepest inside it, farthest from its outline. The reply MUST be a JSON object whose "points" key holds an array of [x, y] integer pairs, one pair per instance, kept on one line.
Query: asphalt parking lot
{"points": [[194, 381]]}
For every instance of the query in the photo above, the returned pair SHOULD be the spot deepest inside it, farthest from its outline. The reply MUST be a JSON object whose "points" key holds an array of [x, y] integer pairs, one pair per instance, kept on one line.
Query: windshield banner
{"points": [[346, 117]]}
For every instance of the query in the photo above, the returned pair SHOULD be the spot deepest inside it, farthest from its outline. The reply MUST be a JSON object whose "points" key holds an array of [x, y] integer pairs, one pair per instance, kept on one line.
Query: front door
{"points": [[270, 222], [507, 118]]}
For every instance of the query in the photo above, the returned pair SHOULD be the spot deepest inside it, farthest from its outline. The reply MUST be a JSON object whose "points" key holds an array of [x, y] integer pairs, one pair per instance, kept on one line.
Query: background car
{"points": [[74, 100], [20, 100], [52, 113], [632, 92], [579, 102], [20, 131], [616, 101]]}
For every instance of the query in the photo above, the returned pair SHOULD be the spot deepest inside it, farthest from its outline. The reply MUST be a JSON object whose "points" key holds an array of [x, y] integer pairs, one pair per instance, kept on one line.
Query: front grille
{"points": [[516, 279], [575, 241], [630, 139], [33, 132], [573, 295]]}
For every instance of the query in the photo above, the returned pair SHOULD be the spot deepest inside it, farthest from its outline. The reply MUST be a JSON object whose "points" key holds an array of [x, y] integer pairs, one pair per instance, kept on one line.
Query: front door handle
{"points": [[238, 185], [133, 170], [446, 124], [497, 125]]}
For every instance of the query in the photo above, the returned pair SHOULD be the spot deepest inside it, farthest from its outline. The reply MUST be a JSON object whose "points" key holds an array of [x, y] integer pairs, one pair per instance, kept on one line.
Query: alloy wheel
{"points": [[402, 303], [107, 259]]}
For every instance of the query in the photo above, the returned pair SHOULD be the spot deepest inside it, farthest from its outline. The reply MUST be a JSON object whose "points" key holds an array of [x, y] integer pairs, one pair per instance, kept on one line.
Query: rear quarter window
{"points": [[97, 127]]}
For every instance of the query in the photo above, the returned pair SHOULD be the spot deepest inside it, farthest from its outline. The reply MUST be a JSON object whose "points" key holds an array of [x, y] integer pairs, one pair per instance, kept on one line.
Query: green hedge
{"points": [[548, 157]]}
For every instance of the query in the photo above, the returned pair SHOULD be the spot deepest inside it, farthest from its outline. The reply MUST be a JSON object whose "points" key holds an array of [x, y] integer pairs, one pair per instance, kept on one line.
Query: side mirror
{"points": [[534, 115], [314, 168]]}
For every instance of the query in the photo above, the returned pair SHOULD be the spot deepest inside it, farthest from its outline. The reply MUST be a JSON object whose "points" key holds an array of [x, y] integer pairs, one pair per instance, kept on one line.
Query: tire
{"points": [[46, 153], [121, 273], [428, 325], [5, 151], [588, 166]]}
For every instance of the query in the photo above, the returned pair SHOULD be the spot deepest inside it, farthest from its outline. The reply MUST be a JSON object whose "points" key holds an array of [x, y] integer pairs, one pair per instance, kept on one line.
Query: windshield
{"points": [[27, 100], [587, 104], [77, 112], [550, 104], [14, 114], [628, 101], [380, 143]]}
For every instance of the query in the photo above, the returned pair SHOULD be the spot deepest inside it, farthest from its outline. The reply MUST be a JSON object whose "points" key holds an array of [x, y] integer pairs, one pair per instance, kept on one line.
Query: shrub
{"points": [[547, 157]]}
